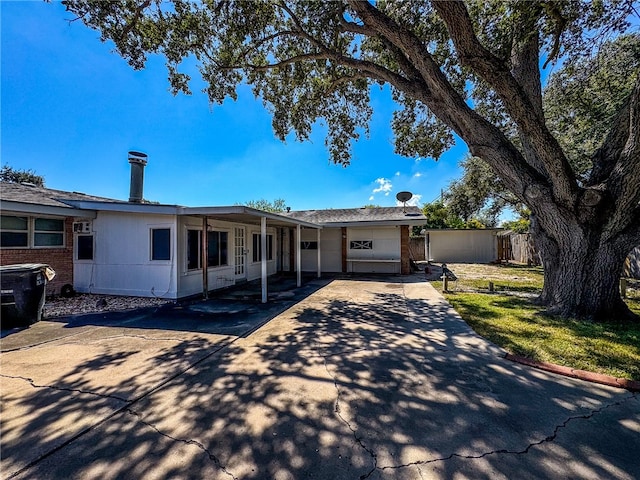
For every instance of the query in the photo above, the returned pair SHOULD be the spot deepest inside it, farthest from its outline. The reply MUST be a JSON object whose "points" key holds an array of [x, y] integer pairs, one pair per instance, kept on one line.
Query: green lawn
{"points": [[520, 327]]}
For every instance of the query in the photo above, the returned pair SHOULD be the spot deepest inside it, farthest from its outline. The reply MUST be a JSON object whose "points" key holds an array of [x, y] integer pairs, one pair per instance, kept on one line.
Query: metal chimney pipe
{"points": [[138, 161]]}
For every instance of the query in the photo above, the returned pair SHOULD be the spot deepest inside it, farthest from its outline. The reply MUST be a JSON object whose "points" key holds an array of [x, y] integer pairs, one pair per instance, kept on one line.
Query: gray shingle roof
{"points": [[351, 215], [18, 192]]}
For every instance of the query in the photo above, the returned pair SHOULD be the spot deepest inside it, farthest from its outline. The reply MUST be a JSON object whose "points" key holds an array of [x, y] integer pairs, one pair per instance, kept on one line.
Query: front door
{"points": [[239, 253]]}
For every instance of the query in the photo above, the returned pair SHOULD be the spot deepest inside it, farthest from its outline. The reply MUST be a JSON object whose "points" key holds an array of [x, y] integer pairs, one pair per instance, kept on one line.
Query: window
{"points": [[48, 232], [193, 249], [160, 244], [85, 247], [257, 247], [309, 245], [217, 248], [361, 245], [14, 231], [30, 232]]}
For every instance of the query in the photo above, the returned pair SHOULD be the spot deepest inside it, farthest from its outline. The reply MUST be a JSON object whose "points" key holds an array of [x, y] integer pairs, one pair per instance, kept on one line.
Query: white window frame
{"points": [[31, 232], [50, 232], [219, 231], [198, 266], [256, 251], [160, 227], [77, 246]]}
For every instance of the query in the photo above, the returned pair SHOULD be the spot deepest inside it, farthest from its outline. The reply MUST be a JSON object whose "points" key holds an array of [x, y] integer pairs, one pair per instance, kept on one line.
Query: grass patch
{"points": [[514, 278], [519, 326]]}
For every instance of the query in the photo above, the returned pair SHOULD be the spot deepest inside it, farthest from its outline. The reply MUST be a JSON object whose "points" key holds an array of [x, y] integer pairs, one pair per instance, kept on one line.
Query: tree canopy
{"points": [[277, 206], [12, 175], [469, 68], [579, 101]]}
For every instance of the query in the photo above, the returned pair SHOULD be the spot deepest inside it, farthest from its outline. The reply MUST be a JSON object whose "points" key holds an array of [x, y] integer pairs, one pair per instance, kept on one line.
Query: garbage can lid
{"points": [[29, 267]]}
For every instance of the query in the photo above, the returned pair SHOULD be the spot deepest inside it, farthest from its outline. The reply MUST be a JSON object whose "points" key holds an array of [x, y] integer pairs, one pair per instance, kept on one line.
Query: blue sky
{"points": [[72, 109]]}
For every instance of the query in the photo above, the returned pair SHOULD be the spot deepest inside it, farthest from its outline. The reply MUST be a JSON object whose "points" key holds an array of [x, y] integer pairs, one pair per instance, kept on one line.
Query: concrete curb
{"points": [[631, 385]]}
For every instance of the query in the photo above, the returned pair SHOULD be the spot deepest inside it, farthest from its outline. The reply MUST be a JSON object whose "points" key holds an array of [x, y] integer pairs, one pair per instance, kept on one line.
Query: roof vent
{"points": [[138, 161]]}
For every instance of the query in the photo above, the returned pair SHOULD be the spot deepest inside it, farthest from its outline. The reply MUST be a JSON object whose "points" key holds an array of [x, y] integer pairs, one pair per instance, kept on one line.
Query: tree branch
{"points": [[624, 180], [520, 107], [136, 17], [484, 139]]}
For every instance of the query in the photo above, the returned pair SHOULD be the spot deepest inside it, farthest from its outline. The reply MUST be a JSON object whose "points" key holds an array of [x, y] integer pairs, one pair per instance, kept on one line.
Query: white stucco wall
{"points": [[122, 262], [330, 249], [463, 246]]}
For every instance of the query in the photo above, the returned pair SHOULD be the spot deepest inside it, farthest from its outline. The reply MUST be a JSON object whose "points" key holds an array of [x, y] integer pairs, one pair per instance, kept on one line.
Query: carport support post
{"points": [[319, 255], [298, 262], [205, 257], [263, 256]]}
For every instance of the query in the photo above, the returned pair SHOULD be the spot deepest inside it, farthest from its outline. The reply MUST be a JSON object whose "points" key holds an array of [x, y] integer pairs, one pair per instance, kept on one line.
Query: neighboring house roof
{"points": [[342, 217]]}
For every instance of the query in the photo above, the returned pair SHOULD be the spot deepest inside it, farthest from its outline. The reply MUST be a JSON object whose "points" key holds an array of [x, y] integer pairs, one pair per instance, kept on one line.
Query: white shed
{"points": [[462, 246]]}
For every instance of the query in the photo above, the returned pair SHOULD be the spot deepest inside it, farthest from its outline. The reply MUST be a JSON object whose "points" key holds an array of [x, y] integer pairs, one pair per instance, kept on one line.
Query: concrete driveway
{"points": [[363, 378]]}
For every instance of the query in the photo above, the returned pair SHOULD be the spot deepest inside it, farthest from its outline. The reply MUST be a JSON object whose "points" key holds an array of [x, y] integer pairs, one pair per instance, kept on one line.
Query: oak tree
{"points": [[472, 68]]}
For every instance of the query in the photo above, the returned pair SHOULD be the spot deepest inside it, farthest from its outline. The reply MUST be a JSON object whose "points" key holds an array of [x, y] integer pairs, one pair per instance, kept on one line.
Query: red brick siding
{"points": [[405, 266], [60, 259]]}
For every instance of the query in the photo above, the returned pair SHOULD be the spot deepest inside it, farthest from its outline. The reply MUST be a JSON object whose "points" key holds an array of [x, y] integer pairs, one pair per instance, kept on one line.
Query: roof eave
{"points": [[246, 211], [37, 209], [376, 223]]}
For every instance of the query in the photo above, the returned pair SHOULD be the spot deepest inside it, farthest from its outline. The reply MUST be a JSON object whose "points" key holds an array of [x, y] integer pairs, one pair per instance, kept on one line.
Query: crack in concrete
{"points": [[358, 439], [65, 389], [549, 438], [127, 335], [44, 342], [198, 444]]}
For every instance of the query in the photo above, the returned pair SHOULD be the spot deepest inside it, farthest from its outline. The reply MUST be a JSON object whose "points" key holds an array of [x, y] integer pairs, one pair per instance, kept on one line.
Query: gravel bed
{"points": [[89, 303]]}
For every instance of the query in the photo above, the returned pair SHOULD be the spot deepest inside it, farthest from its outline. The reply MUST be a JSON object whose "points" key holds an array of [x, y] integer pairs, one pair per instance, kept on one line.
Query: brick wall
{"points": [[405, 266], [60, 259]]}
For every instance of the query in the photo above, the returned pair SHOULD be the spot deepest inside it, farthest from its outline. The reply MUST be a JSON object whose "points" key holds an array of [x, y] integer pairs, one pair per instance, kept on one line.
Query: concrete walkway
{"points": [[365, 378]]}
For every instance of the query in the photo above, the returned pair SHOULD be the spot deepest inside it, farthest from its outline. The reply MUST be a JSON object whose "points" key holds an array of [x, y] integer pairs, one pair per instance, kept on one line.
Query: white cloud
{"points": [[384, 186], [371, 198], [417, 175], [414, 202], [397, 174]]}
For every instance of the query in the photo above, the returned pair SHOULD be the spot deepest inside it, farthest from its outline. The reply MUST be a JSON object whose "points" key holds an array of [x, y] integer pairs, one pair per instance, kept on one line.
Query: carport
{"points": [[250, 216]]}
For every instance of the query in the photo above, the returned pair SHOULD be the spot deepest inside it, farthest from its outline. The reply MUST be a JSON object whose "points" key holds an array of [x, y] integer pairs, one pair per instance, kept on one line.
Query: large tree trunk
{"points": [[582, 274]]}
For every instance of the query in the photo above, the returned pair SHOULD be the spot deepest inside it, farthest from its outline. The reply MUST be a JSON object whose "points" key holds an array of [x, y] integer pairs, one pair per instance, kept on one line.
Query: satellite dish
{"points": [[404, 197]]}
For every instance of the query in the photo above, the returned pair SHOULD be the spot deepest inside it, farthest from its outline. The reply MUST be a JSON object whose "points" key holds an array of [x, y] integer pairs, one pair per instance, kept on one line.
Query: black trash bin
{"points": [[23, 288]]}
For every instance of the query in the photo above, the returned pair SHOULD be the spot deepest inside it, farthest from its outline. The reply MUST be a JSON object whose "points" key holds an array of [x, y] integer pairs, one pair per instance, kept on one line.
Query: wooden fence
{"points": [[632, 264], [517, 247]]}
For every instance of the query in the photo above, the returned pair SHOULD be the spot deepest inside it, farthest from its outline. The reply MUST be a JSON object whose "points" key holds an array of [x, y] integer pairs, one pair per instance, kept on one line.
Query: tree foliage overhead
{"points": [[12, 175], [580, 101], [583, 98], [470, 68], [277, 206]]}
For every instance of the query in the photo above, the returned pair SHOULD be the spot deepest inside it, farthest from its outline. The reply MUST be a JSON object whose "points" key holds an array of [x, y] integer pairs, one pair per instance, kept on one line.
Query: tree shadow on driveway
{"points": [[364, 379]]}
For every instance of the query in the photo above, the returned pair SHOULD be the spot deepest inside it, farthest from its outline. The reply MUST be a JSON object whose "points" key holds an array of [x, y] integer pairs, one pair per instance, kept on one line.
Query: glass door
{"points": [[240, 255]]}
